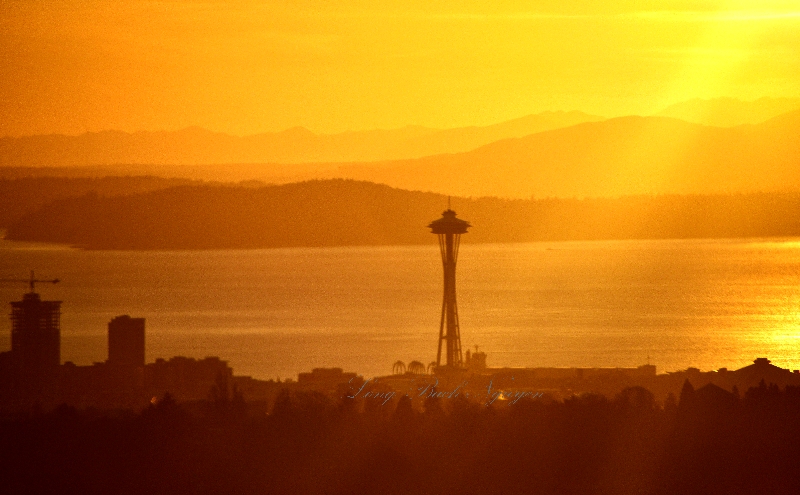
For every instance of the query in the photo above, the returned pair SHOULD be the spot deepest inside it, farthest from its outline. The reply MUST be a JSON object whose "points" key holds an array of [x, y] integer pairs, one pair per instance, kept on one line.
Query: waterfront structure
{"points": [[126, 342], [449, 230]]}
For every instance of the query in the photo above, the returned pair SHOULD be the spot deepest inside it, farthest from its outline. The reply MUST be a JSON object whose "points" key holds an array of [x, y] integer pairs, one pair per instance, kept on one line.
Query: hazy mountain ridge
{"points": [[609, 158], [730, 112], [351, 213], [193, 145], [616, 157]]}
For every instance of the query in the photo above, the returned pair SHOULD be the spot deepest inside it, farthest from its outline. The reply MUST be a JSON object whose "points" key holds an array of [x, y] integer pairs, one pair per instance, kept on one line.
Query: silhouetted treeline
{"points": [[21, 195], [708, 443], [343, 212]]}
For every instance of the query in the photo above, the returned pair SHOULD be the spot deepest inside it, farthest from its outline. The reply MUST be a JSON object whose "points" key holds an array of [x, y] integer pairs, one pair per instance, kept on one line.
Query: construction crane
{"points": [[31, 282]]}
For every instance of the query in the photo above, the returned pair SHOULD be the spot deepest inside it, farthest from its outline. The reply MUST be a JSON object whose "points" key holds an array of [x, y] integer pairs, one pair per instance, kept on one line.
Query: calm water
{"points": [[274, 313]]}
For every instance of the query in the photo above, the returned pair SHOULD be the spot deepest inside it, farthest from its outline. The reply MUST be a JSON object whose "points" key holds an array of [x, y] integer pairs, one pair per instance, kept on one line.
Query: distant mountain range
{"points": [[615, 157], [730, 112], [196, 146], [559, 154]]}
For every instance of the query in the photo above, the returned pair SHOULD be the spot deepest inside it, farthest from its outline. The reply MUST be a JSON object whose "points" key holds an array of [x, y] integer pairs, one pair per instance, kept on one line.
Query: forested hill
{"points": [[347, 213], [21, 195]]}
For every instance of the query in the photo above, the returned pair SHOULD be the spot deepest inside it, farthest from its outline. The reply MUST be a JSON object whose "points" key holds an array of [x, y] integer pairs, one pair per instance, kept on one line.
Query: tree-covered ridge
{"points": [[347, 213], [22, 195]]}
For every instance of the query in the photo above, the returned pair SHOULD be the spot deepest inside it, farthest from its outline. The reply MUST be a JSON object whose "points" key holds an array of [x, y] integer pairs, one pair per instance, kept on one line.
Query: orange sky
{"points": [[245, 67]]}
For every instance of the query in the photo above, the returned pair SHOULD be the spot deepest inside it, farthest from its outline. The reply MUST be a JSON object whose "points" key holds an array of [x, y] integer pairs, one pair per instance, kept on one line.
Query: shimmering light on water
{"points": [[703, 303]]}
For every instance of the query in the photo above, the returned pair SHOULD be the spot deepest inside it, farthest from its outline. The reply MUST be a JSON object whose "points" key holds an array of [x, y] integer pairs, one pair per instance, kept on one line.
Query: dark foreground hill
{"points": [[348, 213], [709, 443]]}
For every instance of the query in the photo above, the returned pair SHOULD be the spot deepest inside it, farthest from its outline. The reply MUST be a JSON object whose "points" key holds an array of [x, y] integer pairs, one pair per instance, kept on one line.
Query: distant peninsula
{"points": [[352, 213]]}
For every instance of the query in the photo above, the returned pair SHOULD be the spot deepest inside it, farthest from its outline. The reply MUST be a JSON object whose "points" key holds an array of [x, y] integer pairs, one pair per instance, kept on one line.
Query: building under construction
{"points": [[35, 339]]}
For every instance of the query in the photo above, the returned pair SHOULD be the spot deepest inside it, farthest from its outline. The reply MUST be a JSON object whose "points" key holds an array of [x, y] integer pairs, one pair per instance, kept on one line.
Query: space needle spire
{"points": [[449, 230]]}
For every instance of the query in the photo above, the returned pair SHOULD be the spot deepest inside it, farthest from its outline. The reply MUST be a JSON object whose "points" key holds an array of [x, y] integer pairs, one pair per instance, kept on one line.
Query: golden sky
{"points": [[245, 67]]}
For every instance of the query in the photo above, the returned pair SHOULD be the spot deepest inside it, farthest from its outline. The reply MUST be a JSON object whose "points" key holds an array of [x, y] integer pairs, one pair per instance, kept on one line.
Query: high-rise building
{"points": [[36, 335], [126, 341]]}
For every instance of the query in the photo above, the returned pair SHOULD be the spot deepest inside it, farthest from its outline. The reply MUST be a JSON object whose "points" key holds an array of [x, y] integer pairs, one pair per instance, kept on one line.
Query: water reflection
{"points": [[703, 303]]}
